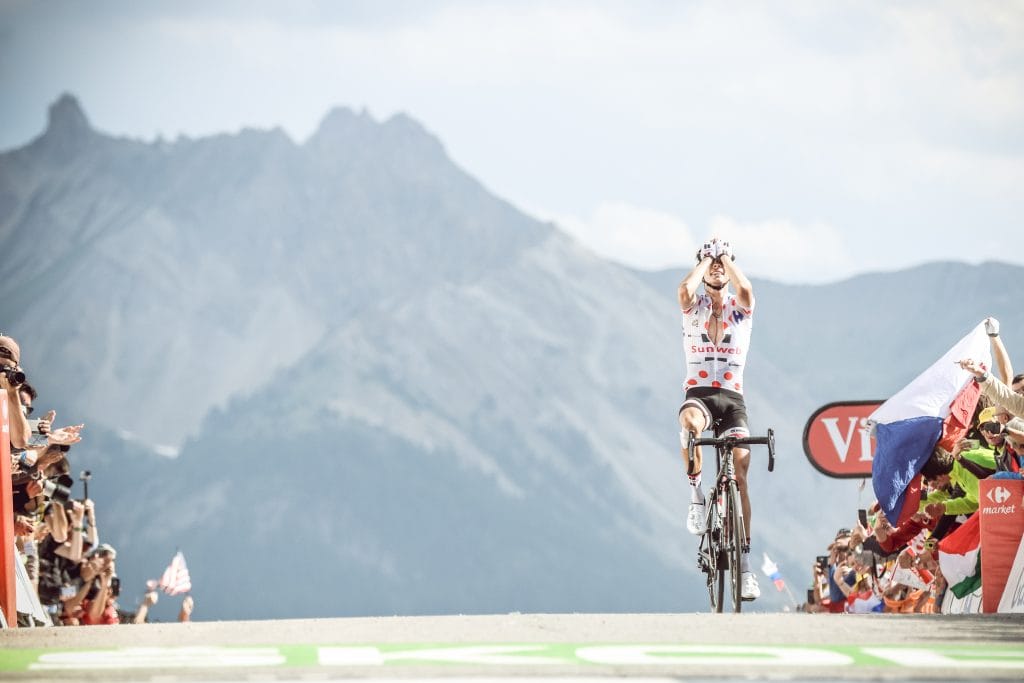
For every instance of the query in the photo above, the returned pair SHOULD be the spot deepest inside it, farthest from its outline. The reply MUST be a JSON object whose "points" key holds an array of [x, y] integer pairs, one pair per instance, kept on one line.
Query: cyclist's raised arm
{"points": [[744, 290], [688, 287]]}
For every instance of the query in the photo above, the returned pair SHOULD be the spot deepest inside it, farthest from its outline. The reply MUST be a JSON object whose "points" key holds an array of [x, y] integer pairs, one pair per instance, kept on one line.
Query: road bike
{"points": [[725, 538]]}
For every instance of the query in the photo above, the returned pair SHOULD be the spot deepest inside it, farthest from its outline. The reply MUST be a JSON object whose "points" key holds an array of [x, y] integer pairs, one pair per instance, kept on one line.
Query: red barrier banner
{"points": [[7, 587], [1001, 504], [836, 439]]}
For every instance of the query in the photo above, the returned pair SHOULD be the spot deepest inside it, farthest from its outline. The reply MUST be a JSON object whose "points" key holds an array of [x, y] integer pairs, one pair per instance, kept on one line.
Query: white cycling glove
{"points": [[709, 250], [725, 249]]}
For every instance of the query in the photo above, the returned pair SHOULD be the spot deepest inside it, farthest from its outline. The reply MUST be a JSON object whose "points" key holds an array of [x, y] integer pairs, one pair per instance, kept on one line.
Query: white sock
{"points": [[696, 494], [745, 561]]}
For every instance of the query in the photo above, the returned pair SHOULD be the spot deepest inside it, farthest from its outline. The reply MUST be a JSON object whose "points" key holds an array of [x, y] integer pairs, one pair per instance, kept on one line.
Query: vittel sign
{"points": [[837, 440]]}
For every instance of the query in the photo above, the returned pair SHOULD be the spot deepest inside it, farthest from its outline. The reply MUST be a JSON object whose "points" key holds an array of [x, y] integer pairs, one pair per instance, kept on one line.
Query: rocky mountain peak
{"points": [[68, 131], [67, 118], [345, 129]]}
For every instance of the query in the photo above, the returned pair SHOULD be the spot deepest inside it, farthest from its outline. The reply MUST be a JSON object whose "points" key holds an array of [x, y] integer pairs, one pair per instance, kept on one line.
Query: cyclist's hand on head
{"points": [[709, 250], [725, 249]]}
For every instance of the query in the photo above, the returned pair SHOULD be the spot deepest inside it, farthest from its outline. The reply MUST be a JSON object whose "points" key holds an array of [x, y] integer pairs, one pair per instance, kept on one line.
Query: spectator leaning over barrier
{"points": [[893, 539], [954, 489]]}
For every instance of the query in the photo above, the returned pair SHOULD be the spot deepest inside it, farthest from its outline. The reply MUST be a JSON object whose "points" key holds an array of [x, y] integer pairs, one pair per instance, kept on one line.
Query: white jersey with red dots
{"points": [[716, 365]]}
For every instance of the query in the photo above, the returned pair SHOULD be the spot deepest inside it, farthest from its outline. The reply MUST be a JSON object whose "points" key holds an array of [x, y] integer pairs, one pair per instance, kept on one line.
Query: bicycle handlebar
{"points": [[733, 441]]}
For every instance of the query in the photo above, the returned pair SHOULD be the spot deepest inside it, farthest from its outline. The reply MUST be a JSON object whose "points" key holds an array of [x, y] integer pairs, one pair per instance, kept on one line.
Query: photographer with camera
{"points": [[11, 377], [100, 607], [841, 574]]}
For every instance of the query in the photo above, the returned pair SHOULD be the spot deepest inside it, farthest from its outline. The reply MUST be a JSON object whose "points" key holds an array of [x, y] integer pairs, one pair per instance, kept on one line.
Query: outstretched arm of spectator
{"points": [[997, 391], [74, 551], [65, 436], [57, 522], [147, 602], [898, 537], [999, 354], [94, 532], [186, 609]]}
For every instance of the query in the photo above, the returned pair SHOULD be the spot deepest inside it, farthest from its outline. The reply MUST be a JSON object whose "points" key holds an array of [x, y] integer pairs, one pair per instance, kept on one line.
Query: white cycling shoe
{"points": [[695, 522], [749, 590]]}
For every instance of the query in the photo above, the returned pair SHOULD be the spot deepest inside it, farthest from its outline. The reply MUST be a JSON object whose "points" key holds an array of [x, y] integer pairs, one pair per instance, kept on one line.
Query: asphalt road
{"points": [[656, 647]]}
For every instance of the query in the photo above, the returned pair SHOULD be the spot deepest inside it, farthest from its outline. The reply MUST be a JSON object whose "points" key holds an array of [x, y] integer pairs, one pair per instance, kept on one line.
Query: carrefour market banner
{"points": [[1001, 506]]}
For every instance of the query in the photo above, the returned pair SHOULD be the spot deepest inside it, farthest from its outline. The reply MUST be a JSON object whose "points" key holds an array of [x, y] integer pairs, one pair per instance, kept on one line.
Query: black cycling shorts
{"points": [[723, 409]]}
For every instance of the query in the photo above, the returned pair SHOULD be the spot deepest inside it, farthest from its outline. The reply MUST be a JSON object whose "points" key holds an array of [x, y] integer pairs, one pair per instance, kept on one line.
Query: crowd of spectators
{"points": [[874, 566], [72, 573]]}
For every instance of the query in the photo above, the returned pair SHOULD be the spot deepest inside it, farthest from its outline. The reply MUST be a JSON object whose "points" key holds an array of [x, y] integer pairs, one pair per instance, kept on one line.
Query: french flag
{"points": [[771, 570], [934, 409]]}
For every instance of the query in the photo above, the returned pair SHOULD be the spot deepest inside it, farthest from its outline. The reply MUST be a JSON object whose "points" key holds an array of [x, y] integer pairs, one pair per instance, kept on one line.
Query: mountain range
{"points": [[346, 379]]}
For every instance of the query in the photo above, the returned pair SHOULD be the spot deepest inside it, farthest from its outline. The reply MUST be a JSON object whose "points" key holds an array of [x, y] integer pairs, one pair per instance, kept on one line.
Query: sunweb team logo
{"points": [[999, 495]]}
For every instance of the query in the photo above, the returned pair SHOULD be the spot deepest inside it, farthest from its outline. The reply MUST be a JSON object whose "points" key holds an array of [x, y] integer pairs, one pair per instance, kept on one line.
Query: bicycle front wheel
{"points": [[715, 558], [734, 545]]}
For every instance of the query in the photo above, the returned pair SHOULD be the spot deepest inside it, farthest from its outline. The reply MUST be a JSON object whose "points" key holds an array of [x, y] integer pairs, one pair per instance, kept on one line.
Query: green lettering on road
{"points": [[505, 655]]}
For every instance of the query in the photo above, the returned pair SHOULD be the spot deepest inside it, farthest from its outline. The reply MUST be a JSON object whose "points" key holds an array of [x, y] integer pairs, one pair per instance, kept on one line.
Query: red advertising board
{"points": [[1001, 504], [7, 589], [836, 439]]}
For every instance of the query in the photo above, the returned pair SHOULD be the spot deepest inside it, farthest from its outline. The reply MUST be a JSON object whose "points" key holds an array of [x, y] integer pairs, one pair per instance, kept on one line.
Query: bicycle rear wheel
{"points": [[734, 546]]}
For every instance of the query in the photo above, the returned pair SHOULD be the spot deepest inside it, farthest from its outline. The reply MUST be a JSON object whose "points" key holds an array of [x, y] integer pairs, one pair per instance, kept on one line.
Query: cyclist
{"points": [[716, 333]]}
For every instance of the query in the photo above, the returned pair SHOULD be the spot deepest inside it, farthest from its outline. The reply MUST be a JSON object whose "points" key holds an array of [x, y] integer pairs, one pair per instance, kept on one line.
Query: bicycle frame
{"points": [[721, 547]]}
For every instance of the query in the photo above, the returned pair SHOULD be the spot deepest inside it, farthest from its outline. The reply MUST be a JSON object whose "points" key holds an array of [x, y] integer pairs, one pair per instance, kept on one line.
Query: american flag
{"points": [[175, 580]]}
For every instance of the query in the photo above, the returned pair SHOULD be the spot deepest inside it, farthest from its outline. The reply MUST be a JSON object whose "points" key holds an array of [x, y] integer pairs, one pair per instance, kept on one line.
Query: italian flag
{"points": [[960, 557]]}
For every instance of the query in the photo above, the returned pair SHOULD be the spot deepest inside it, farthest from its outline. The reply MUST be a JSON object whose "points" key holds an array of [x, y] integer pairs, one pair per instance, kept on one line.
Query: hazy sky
{"points": [[825, 138]]}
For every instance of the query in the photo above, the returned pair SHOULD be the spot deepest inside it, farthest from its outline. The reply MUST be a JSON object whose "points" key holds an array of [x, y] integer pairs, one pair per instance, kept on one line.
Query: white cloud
{"points": [[636, 236], [651, 239], [788, 252]]}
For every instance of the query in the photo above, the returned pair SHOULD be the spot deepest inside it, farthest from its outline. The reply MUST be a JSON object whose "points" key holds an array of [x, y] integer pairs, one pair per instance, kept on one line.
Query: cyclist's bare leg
{"points": [[691, 419], [741, 461]]}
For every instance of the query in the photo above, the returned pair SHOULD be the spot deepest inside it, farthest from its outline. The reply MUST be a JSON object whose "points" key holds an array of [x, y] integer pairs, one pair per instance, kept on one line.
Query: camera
{"points": [[992, 427], [822, 561], [115, 586], [60, 490], [15, 377]]}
